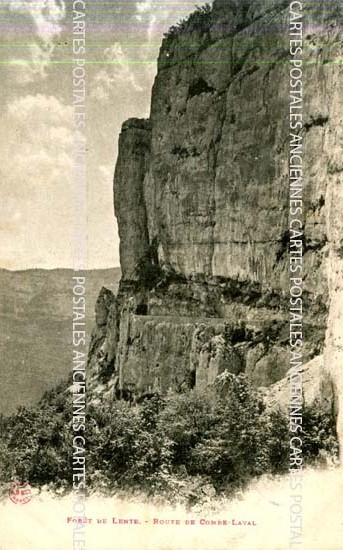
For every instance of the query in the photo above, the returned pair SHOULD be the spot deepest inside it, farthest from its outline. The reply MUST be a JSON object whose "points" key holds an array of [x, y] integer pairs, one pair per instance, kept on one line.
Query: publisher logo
{"points": [[20, 493]]}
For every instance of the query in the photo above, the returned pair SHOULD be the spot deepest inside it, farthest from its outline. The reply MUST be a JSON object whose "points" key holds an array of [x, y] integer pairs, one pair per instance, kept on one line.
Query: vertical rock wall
{"points": [[130, 208], [333, 144], [201, 198]]}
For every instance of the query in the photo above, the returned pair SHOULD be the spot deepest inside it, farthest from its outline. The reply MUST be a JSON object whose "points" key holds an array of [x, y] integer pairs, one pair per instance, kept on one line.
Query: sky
{"points": [[36, 131]]}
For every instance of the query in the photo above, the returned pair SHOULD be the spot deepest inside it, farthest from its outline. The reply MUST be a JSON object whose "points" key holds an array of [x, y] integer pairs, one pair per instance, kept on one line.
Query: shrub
{"points": [[276, 429], [184, 420], [36, 446], [319, 439], [234, 448], [199, 20], [227, 437], [164, 445], [123, 442]]}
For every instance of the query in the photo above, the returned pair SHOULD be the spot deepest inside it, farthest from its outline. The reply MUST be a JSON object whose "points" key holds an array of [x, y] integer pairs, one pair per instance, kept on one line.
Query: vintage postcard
{"points": [[171, 275]]}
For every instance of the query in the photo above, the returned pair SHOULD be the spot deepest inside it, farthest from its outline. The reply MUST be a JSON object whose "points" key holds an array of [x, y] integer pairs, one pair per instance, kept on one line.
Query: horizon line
{"points": [[58, 268]]}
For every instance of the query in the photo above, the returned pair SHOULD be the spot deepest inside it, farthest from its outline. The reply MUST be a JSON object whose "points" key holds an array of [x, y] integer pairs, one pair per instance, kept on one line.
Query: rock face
{"points": [[277, 395], [201, 198], [101, 364], [130, 207], [333, 144]]}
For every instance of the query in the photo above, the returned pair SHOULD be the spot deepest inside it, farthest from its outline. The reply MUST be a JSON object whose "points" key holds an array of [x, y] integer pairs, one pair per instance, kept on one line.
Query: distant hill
{"points": [[35, 329]]}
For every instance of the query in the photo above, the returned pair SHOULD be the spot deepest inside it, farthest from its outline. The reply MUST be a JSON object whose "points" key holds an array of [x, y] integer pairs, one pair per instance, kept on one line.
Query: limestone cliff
{"points": [[333, 144], [201, 199]]}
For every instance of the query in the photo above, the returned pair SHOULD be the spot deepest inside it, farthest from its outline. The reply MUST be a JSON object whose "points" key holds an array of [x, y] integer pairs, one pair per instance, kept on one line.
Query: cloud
{"points": [[159, 16], [11, 215], [46, 17], [35, 175], [37, 211], [143, 7], [130, 69], [143, 10], [43, 109], [147, 14], [118, 73], [38, 139]]}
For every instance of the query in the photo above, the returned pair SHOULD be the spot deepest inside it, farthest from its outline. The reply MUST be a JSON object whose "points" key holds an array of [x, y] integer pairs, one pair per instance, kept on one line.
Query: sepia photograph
{"points": [[171, 275]]}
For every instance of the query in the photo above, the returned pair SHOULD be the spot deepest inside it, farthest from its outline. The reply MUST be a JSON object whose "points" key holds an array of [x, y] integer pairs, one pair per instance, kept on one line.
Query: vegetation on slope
{"points": [[173, 445], [198, 20]]}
